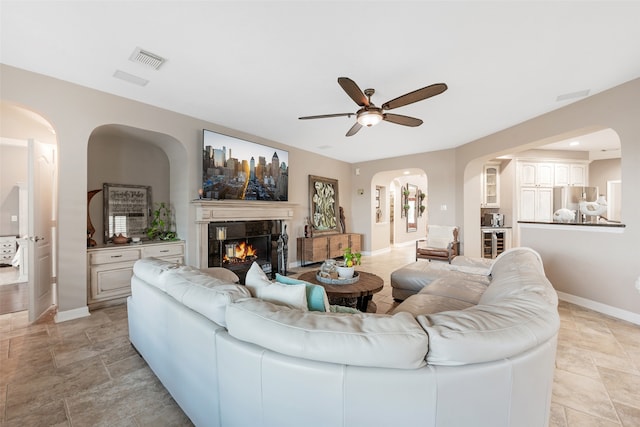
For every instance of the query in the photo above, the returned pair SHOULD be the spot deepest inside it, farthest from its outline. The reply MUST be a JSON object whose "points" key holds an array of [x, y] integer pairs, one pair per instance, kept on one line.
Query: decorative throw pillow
{"points": [[256, 278], [316, 295], [261, 287]]}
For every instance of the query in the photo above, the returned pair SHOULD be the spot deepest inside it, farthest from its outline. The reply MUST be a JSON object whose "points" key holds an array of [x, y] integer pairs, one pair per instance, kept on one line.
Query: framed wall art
{"points": [[323, 204], [126, 210]]}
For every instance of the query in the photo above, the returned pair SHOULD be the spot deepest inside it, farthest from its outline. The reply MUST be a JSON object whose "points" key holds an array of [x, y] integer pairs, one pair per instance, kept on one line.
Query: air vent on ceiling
{"points": [[147, 58]]}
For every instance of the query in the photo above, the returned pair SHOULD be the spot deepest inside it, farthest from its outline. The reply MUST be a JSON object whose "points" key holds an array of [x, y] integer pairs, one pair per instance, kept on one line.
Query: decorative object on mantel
{"points": [[161, 222], [90, 228], [343, 221]]}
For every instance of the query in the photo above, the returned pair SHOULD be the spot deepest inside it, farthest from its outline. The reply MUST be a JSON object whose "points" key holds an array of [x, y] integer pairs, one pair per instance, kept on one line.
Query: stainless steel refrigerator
{"points": [[568, 197]]}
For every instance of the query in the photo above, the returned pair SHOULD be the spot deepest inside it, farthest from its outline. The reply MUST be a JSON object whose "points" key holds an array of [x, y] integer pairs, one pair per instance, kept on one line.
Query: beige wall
{"points": [[601, 171], [75, 112], [121, 160], [592, 267], [595, 266]]}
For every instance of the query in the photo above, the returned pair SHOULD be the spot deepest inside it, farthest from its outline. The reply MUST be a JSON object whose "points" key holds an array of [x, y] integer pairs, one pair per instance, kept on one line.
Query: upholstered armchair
{"points": [[441, 243]]}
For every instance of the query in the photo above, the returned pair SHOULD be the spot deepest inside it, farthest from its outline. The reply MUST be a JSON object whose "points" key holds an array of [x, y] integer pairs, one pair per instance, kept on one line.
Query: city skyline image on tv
{"points": [[234, 168]]}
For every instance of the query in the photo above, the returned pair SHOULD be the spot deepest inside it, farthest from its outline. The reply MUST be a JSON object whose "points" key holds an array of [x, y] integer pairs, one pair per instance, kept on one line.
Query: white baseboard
{"points": [[76, 313], [618, 313]]}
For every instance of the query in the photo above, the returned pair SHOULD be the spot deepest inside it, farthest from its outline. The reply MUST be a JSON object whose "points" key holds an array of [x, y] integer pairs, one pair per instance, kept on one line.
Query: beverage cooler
{"points": [[495, 241]]}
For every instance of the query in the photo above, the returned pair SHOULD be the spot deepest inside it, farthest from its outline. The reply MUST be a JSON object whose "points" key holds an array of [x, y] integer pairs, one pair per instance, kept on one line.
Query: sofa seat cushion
{"points": [[421, 304], [415, 276], [462, 289], [371, 340]]}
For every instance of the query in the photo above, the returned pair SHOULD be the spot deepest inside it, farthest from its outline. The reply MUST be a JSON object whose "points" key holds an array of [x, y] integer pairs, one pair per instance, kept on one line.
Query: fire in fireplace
{"points": [[238, 244]]}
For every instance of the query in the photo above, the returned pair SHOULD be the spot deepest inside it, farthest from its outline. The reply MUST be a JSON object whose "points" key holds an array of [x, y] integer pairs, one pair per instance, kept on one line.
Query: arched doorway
{"points": [[28, 213]]}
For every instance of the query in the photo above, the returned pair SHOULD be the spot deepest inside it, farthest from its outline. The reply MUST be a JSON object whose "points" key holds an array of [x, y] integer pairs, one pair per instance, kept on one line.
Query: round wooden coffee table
{"points": [[362, 291]]}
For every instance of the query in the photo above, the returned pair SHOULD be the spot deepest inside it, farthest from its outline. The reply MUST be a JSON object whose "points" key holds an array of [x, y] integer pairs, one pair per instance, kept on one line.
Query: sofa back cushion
{"points": [[371, 340], [199, 291]]}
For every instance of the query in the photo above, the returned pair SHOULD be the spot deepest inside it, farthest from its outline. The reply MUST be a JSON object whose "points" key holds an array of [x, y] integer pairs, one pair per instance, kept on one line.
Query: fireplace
{"points": [[261, 224], [236, 245]]}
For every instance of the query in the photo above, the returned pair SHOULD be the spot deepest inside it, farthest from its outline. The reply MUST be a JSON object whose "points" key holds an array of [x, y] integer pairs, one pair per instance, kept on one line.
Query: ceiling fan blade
{"points": [[401, 120], [353, 91], [326, 116], [354, 129], [415, 96]]}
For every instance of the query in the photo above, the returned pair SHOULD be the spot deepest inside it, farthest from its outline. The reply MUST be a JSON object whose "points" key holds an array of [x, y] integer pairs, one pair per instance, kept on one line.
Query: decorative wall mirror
{"points": [[411, 207], [126, 210], [323, 204]]}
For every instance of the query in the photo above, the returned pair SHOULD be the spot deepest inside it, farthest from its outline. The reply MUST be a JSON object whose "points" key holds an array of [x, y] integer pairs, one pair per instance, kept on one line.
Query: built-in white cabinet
{"points": [[536, 174], [570, 174], [110, 267], [491, 186], [536, 180]]}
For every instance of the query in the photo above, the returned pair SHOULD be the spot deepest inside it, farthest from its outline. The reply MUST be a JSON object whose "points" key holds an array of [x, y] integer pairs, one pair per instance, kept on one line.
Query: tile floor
{"points": [[85, 373]]}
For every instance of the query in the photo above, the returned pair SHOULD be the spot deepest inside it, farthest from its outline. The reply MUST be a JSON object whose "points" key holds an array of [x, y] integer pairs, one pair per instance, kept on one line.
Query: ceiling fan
{"points": [[370, 115]]}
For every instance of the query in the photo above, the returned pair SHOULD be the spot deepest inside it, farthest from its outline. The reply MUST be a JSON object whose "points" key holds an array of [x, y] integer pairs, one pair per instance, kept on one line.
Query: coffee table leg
{"points": [[363, 302]]}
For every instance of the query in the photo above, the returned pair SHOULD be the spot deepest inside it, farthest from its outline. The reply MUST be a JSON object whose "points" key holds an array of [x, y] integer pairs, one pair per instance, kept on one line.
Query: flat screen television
{"points": [[237, 169]]}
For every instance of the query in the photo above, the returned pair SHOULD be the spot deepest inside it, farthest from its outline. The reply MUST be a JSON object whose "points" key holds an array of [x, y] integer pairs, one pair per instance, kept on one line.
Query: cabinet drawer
{"points": [[6, 257], [106, 257], [162, 251]]}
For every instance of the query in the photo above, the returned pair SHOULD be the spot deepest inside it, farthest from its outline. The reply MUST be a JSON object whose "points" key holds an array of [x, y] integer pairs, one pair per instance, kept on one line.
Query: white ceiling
{"points": [[258, 66]]}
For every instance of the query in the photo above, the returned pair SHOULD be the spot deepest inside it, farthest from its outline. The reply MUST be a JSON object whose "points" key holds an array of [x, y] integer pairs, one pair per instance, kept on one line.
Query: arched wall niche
{"points": [[123, 154]]}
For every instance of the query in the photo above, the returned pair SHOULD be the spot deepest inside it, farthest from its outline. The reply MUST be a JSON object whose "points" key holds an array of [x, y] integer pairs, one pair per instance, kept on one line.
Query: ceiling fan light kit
{"points": [[370, 115]]}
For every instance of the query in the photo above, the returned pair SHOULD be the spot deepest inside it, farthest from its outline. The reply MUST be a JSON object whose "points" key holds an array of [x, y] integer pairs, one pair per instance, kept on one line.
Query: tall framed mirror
{"points": [[411, 207]]}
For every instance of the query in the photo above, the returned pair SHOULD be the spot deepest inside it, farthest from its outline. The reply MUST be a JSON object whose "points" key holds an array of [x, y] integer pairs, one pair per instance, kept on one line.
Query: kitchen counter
{"points": [[585, 224]]}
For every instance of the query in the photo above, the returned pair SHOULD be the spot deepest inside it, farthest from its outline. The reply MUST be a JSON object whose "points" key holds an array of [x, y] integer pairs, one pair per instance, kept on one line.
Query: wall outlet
{"points": [[443, 207], [14, 218], [638, 284]]}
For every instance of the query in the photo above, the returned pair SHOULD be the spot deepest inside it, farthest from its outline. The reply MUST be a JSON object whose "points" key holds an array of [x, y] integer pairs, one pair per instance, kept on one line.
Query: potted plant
{"points": [[347, 270], [160, 227]]}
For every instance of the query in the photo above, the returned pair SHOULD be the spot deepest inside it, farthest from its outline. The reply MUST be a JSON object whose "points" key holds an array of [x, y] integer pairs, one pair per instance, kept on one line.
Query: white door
{"points": [[41, 183]]}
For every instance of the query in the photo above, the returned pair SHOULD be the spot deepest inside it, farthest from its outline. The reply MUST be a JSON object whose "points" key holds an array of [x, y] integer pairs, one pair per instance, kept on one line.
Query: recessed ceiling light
{"points": [[130, 78], [574, 143]]}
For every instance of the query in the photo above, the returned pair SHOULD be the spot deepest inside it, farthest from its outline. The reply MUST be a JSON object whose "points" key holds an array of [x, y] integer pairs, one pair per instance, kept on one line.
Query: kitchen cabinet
{"points": [[536, 204], [571, 174], [319, 248], [491, 186], [110, 267], [536, 174]]}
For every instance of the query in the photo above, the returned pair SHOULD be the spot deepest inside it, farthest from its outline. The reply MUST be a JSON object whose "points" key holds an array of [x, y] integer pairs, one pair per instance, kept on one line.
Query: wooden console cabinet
{"points": [[317, 249], [110, 268]]}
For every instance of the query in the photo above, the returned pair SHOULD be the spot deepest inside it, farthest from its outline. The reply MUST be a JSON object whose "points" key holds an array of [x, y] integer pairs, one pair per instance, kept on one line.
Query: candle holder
{"points": [[230, 250], [221, 233]]}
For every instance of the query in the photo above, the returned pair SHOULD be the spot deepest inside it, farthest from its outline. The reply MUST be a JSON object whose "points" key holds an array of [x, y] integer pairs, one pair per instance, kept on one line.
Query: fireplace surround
{"points": [[260, 224]]}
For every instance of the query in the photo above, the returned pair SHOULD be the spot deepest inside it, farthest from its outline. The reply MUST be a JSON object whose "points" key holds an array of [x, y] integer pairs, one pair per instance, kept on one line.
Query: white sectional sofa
{"points": [[232, 360]]}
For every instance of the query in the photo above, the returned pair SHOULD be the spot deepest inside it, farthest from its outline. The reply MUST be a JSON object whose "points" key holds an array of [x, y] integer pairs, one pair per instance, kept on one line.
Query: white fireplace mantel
{"points": [[234, 210]]}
